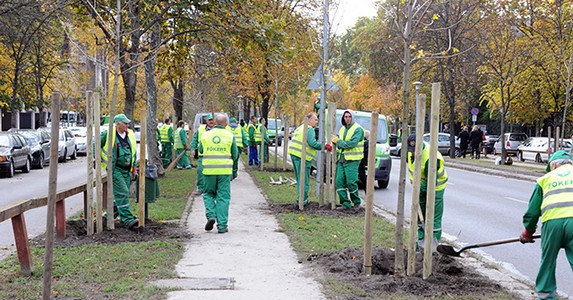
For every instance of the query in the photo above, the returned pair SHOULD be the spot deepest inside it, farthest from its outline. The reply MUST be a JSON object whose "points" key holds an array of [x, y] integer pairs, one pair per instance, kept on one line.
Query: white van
{"points": [[199, 119]]}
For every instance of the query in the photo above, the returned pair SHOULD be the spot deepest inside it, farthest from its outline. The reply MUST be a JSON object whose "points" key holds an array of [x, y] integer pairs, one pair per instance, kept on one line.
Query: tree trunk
{"points": [[178, 88], [151, 141], [14, 101]]}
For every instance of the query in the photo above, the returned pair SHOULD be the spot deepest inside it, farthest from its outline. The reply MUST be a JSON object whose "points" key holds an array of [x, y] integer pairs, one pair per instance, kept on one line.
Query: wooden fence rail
{"points": [[15, 212]]}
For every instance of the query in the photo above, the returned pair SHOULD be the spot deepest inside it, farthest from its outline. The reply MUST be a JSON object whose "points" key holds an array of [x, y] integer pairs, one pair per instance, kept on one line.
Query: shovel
{"points": [[449, 250]]}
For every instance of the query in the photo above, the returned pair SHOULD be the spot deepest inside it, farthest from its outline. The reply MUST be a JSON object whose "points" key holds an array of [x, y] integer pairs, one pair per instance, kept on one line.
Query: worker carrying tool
{"points": [[551, 200], [441, 179]]}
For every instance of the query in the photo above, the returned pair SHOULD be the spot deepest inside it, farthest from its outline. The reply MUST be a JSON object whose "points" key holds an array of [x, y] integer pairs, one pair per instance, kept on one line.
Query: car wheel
{"points": [[74, 155], [538, 158], [65, 157], [382, 184], [27, 166], [10, 170], [520, 156], [41, 163]]}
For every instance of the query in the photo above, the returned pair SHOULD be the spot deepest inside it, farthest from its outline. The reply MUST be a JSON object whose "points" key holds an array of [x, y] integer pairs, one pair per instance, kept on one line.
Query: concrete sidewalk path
{"points": [[252, 261]]}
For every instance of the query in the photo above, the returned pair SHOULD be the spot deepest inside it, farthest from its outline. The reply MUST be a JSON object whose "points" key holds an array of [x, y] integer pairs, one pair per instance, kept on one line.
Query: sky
{"points": [[348, 13]]}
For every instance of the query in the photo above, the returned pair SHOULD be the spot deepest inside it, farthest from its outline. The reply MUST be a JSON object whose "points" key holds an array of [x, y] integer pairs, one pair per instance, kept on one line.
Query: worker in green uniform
{"points": [[254, 132], [166, 139], [350, 143], [181, 146], [264, 153], [240, 139], [209, 123], [295, 152], [219, 151], [123, 151], [551, 201], [441, 180]]}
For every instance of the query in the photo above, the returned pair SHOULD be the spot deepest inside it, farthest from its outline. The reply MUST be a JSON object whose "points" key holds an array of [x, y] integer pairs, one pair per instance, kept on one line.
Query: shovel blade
{"points": [[448, 250]]}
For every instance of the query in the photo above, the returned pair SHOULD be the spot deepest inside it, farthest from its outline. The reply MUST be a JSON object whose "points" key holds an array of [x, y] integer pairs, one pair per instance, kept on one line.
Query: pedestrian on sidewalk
{"points": [[166, 139], [240, 139], [295, 152], [464, 137], [123, 149], [441, 180], [209, 124], [350, 143], [219, 151], [264, 136], [181, 146], [551, 201], [254, 139], [476, 139]]}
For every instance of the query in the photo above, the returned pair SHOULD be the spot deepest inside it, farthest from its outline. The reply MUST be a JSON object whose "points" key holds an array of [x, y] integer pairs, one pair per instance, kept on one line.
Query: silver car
{"points": [[444, 144], [512, 142], [66, 145]]}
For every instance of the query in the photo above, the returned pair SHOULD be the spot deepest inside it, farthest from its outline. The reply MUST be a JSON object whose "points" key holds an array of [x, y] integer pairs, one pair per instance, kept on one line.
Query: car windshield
{"points": [[517, 137], [31, 138], [271, 124], [4, 141]]}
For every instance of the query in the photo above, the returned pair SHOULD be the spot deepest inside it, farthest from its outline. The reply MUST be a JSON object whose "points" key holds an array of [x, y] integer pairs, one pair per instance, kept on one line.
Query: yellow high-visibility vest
{"points": [[442, 174], [557, 189], [295, 147], [356, 153], [132, 144], [217, 158]]}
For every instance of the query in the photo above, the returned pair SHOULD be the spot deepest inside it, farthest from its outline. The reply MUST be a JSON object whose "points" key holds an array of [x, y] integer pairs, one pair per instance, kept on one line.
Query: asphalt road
{"points": [[35, 184]]}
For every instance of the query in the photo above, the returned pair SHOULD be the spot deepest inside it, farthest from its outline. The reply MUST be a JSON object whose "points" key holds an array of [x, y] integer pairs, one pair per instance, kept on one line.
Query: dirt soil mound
{"points": [[449, 277], [314, 209], [76, 234]]}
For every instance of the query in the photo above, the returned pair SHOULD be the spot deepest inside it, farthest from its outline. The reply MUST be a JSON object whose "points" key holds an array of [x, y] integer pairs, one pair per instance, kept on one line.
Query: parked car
{"points": [[536, 149], [39, 142], [66, 145], [14, 154], [444, 144], [489, 143], [81, 137], [512, 141], [137, 132], [275, 127]]}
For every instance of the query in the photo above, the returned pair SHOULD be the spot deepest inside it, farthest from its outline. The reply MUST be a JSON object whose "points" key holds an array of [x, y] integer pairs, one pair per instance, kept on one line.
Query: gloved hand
{"points": [[526, 237], [328, 147], [334, 139]]}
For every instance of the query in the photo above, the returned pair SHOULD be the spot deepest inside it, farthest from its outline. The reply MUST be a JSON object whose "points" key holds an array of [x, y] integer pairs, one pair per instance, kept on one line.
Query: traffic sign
{"points": [[475, 111]]}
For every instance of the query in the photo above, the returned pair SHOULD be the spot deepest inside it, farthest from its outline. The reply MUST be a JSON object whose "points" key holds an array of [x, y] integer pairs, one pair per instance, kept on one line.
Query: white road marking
{"points": [[516, 200]]}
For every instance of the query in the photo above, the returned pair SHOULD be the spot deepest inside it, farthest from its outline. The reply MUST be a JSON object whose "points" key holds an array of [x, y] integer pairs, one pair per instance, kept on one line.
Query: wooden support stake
{"points": [[52, 198], [61, 219], [285, 144], [556, 140], [89, 193], [302, 171], [22, 245], [370, 195], [414, 210], [100, 193], [262, 153], [550, 151], [142, 163], [334, 156], [432, 169]]}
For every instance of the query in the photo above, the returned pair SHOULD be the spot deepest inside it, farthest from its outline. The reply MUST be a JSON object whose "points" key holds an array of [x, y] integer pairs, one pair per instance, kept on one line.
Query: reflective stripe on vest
{"points": [[356, 153], [164, 133], [217, 159], [442, 176], [557, 189], [295, 146], [177, 143], [200, 131], [105, 148], [238, 133], [258, 136]]}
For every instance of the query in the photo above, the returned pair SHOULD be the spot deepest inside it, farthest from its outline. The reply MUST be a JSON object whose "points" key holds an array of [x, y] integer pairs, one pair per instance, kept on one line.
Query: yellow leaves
{"points": [[420, 53], [435, 17], [301, 218]]}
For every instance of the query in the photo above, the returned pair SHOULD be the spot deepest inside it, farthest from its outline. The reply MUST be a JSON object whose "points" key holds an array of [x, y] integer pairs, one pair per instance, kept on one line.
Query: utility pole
{"points": [[321, 126]]}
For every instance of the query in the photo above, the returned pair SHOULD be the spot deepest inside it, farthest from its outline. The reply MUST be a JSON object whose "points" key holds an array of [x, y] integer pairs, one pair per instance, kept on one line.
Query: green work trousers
{"points": [[200, 177], [555, 234], [184, 161], [347, 181], [121, 207], [438, 213], [217, 196], [166, 153], [296, 165], [265, 154]]}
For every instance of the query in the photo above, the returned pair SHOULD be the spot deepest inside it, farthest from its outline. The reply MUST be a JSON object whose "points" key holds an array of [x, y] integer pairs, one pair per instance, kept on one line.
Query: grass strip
{"points": [[109, 270]]}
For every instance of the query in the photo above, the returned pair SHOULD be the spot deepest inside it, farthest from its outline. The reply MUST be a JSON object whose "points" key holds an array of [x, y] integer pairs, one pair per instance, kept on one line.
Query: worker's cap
{"points": [[561, 154], [121, 118], [232, 120], [208, 117], [411, 138]]}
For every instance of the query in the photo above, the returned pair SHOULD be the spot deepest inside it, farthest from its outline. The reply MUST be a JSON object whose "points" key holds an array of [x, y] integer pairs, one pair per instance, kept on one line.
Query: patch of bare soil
{"points": [[314, 209], [449, 277], [76, 234]]}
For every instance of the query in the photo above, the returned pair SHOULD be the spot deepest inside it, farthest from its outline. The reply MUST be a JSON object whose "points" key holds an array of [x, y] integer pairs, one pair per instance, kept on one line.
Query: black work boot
{"points": [[210, 224]]}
